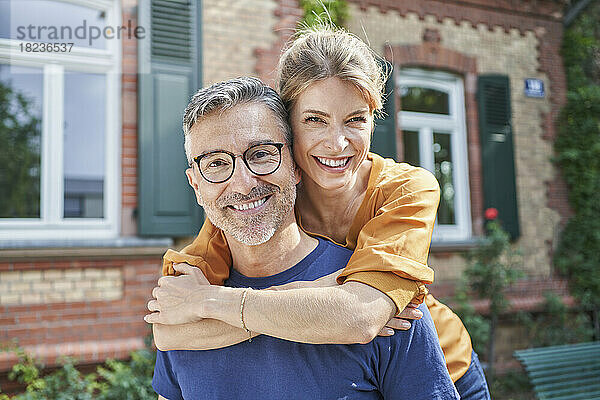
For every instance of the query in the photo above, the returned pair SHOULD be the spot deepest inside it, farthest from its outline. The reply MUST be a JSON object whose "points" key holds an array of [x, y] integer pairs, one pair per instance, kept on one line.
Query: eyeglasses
{"points": [[260, 159]]}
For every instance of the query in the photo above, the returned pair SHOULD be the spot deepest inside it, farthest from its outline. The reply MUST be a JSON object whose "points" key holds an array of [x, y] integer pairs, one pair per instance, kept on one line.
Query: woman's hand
{"points": [[172, 303], [402, 320]]}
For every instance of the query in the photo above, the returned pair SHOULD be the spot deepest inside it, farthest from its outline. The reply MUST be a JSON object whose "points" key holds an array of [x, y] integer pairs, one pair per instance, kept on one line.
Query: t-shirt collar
{"points": [[236, 279]]}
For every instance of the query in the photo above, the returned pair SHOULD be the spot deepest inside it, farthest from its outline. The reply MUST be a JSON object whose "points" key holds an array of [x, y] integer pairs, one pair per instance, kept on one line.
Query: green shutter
{"points": [[169, 73], [384, 137], [497, 154]]}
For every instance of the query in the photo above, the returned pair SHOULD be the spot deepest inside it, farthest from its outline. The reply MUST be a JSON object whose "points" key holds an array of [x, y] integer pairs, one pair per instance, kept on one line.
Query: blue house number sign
{"points": [[534, 88]]}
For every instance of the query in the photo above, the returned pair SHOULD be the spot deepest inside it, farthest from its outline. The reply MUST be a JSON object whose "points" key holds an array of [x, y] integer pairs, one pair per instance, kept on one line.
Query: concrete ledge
{"points": [[87, 253], [454, 246], [116, 242], [120, 247]]}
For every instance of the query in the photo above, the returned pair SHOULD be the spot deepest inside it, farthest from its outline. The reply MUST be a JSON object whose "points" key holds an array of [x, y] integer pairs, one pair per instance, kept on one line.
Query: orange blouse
{"points": [[390, 236]]}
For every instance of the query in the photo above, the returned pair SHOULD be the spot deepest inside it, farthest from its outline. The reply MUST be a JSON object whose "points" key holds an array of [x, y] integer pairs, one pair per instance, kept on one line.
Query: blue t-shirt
{"points": [[408, 365]]}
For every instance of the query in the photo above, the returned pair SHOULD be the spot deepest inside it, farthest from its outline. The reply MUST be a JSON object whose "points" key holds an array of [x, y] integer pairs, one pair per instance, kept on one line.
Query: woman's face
{"points": [[332, 128]]}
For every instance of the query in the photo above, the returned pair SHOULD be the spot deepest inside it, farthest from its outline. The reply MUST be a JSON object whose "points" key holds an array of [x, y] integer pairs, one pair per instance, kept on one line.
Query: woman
{"points": [[385, 211]]}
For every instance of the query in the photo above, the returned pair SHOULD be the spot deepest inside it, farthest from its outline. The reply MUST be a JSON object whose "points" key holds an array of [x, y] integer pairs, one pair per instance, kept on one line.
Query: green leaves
{"points": [[557, 324], [477, 325], [578, 257], [493, 267], [578, 154], [67, 383], [328, 11], [116, 380], [128, 380], [20, 132]]}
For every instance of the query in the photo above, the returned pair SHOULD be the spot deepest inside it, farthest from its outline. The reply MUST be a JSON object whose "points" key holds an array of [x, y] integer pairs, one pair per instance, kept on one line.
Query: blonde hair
{"points": [[324, 51]]}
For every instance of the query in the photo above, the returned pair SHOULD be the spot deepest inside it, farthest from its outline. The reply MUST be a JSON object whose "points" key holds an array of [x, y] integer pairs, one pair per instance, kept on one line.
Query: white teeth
{"points": [[249, 206], [333, 163]]}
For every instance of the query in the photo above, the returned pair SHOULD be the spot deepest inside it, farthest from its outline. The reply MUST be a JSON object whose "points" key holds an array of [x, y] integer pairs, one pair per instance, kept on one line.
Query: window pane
{"points": [[20, 141], [424, 100], [4, 18], [84, 153], [411, 147], [53, 21], [444, 172]]}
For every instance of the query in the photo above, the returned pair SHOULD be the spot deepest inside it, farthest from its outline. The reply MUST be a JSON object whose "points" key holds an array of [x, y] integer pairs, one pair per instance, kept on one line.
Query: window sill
{"points": [[454, 245], [124, 247]]}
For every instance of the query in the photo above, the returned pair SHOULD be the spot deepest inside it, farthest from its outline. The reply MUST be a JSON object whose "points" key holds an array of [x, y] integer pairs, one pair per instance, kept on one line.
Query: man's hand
{"points": [[173, 297], [401, 321]]}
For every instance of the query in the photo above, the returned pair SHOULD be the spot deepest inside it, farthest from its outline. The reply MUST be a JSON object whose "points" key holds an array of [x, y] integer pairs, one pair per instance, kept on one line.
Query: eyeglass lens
{"points": [[261, 160]]}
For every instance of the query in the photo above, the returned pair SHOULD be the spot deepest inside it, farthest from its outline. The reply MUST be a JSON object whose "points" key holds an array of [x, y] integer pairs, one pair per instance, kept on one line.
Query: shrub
{"points": [[492, 268], [115, 380], [578, 154]]}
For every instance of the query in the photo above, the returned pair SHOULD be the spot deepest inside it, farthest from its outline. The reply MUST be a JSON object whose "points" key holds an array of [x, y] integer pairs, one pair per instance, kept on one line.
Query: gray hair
{"points": [[225, 95]]}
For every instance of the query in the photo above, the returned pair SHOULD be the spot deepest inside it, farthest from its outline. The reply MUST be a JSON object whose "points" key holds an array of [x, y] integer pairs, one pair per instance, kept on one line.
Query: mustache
{"points": [[256, 192]]}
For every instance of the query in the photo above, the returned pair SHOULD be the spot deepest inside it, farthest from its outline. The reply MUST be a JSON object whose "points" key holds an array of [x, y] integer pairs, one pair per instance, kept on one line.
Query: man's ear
{"points": [[194, 184]]}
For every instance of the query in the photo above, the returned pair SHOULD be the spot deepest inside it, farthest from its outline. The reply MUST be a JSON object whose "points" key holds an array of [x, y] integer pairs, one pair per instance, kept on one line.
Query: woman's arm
{"points": [[175, 332], [310, 312], [348, 313], [207, 334], [309, 315]]}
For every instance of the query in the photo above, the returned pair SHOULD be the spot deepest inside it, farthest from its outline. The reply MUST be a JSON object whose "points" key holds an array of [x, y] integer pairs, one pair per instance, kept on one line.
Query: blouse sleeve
{"points": [[209, 252], [392, 247]]}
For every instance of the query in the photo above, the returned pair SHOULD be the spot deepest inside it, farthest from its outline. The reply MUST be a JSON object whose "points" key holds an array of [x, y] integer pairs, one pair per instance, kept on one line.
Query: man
{"points": [[252, 201]]}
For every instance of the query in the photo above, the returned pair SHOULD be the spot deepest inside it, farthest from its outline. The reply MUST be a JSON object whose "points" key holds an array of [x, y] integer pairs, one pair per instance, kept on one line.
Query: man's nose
{"points": [[242, 180]]}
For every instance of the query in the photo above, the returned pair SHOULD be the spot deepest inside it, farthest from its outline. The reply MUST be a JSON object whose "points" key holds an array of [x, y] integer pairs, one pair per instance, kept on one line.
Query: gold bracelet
{"points": [[242, 315]]}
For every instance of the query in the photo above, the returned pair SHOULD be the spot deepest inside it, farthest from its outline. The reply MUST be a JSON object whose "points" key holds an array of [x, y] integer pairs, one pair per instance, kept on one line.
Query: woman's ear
{"points": [[372, 126], [297, 174]]}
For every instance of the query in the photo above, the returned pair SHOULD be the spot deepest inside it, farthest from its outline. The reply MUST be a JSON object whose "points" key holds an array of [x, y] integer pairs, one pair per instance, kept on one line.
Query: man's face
{"points": [[248, 207]]}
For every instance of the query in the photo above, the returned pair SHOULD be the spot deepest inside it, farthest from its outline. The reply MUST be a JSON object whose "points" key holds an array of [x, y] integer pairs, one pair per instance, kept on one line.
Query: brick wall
{"points": [[45, 312], [60, 285], [288, 14], [231, 31], [129, 124]]}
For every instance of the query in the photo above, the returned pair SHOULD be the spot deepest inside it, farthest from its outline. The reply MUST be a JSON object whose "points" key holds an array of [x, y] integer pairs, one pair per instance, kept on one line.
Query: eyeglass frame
{"points": [[196, 160]]}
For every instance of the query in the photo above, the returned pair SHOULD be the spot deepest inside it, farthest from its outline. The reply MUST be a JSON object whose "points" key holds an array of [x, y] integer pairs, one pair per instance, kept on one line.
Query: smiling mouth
{"points": [[333, 163], [249, 206]]}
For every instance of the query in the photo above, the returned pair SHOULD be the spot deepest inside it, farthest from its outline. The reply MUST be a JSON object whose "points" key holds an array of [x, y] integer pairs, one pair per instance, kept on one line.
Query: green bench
{"points": [[564, 372]]}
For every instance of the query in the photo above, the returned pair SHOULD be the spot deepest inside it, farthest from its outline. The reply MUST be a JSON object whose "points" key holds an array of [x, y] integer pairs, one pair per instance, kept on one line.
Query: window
{"points": [[60, 174], [432, 120]]}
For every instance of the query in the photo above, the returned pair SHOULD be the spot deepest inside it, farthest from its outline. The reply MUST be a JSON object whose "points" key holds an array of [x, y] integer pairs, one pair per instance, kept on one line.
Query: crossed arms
{"points": [[190, 314]]}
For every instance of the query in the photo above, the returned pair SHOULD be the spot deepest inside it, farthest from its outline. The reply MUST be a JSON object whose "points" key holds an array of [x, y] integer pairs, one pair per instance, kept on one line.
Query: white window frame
{"points": [[453, 124], [51, 224]]}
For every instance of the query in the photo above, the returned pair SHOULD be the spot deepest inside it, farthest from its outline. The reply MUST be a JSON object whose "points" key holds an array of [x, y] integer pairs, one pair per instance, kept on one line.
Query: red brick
{"points": [[6, 320], [28, 318], [130, 131]]}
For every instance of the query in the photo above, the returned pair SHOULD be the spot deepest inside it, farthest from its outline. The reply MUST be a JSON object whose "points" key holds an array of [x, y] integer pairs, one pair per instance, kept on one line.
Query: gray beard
{"points": [[254, 237], [259, 228]]}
